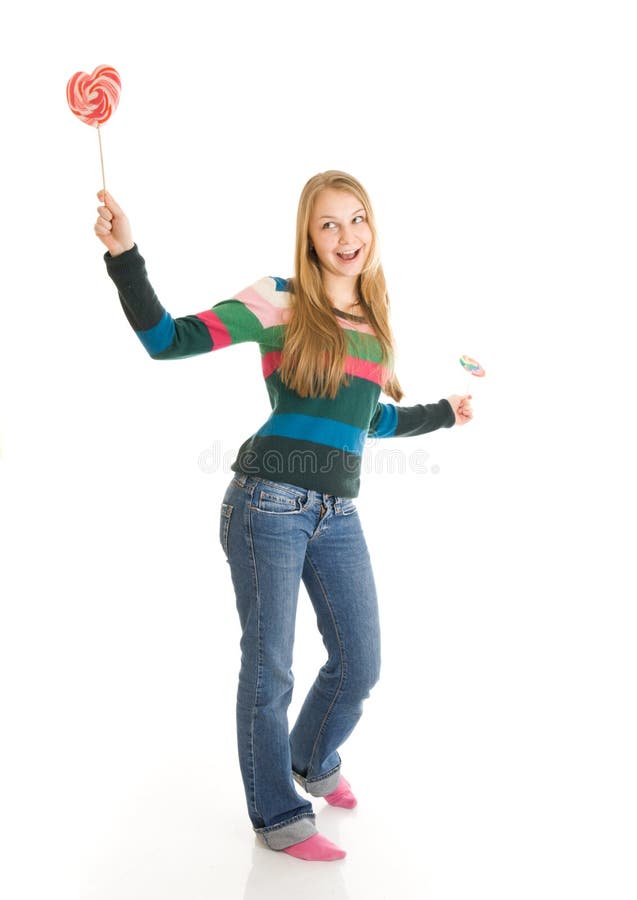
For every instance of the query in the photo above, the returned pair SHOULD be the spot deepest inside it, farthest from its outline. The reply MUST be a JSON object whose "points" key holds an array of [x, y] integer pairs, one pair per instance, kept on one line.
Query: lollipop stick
{"points": [[101, 159]]}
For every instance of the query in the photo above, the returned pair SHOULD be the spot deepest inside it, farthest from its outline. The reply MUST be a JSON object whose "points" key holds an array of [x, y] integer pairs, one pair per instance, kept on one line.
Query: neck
{"points": [[342, 292]]}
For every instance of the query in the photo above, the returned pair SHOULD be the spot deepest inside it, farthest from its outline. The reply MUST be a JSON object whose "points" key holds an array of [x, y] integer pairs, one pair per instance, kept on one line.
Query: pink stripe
{"points": [[363, 368], [270, 362], [218, 331], [363, 327], [266, 312]]}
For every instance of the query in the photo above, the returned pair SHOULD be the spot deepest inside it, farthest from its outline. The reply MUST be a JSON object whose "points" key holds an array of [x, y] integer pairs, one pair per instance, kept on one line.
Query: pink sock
{"points": [[316, 848], [342, 796]]}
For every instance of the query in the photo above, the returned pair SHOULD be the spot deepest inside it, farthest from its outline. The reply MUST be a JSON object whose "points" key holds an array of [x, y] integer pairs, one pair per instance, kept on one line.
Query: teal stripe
{"points": [[386, 425], [318, 430], [160, 336]]}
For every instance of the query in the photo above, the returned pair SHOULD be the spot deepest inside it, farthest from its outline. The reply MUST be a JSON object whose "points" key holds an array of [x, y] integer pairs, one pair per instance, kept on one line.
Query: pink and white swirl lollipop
{"points": [[93, 99]]}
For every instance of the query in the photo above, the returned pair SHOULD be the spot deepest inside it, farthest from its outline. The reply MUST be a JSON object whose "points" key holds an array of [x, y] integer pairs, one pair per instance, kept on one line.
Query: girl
{"points": [[288, 512]]}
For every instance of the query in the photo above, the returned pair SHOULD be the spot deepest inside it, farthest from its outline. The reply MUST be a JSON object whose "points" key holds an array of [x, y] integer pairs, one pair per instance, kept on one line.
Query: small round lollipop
{"points": [[471, 367], [93, 99]]}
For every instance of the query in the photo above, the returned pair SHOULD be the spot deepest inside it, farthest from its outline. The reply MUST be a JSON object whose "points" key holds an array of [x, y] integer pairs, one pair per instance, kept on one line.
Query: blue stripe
{"points": [[281, 283], [388, 420], [316, 429], [159, 336]]}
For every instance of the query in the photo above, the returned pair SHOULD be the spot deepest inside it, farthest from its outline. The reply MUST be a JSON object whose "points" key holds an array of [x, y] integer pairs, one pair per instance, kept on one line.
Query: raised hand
{"points": [[112, 227]]}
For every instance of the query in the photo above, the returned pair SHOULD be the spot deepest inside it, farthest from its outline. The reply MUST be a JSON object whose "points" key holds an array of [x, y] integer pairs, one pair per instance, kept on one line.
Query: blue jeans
{"points": [[273, 535]]}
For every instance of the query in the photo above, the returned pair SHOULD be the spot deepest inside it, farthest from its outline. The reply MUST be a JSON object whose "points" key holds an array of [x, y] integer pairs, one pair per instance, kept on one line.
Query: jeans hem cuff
{"points": [[320, 787], [278, 837]]}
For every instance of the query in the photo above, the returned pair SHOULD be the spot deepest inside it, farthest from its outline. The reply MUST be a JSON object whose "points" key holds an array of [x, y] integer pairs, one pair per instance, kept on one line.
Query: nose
{"points": [[346, 234]]}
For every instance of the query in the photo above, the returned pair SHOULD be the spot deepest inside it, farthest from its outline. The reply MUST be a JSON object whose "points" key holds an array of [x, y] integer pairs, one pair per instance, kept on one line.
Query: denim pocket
{"points": [[224, 527], [276, 500]]}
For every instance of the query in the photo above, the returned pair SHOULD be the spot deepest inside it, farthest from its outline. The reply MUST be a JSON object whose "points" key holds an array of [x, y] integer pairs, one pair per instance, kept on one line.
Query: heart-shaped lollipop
{"points": [[93, 98]]}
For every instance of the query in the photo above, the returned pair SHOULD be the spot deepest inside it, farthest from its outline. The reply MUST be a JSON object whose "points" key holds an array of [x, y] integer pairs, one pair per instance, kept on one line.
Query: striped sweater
{"points": [[311, 442]]}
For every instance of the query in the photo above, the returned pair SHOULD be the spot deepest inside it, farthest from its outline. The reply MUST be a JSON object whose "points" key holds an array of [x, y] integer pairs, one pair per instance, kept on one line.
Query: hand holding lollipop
{"points": [[461, 405], [112, 226]]}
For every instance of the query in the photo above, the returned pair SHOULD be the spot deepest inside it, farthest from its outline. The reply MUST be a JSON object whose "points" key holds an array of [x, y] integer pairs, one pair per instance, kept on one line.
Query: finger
{"points": [[103, 226], [105, 212], [109, 201]]}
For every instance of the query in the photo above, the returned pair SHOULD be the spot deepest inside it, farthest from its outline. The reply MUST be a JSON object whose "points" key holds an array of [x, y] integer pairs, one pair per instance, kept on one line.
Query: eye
{"points": [[329, 224], [358, 219]]}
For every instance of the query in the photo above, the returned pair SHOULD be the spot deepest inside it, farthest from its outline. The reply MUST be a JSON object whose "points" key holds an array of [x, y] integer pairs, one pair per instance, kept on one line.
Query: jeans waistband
{"points": [[243, 479]]}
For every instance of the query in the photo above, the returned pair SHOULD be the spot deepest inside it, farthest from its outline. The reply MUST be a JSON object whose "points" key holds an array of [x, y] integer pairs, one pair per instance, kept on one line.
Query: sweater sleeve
{"points": [[232, 321], [390, 420]]}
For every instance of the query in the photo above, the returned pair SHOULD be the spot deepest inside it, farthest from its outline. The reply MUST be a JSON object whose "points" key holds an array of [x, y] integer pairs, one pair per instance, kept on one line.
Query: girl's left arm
{"points": [[390, 420]]}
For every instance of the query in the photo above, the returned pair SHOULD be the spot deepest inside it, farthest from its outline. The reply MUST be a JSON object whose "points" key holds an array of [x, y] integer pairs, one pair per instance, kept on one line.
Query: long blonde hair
{"points": [[313, 358]]}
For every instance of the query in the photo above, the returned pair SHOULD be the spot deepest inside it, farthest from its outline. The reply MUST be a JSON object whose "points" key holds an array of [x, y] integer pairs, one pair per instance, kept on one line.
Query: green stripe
{"points": [[241, 322], [352, 405], [272, 338], [363, 346]]}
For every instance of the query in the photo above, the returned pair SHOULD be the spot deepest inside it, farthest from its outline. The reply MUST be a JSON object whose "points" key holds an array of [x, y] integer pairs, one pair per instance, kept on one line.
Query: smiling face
{"points": [[341, 236]]}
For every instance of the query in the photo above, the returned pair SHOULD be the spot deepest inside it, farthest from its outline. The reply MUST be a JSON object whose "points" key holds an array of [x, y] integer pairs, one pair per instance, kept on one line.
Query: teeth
{"points": [[348, 254]]}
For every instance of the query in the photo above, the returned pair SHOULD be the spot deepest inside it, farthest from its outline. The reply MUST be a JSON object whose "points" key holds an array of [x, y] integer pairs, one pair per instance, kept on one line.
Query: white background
{"points": [[496, 756]]}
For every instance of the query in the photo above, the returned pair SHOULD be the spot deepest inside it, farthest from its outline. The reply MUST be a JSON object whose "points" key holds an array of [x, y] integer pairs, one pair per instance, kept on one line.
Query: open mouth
{"points": [[348, 255]]}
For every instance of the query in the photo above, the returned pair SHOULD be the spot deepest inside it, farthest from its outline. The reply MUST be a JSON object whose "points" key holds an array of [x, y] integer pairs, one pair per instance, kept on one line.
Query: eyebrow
{"points": [[335, 217]]}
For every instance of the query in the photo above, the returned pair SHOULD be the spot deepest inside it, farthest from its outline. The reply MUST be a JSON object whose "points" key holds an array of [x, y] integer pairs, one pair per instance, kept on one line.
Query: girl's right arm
{"points": [[229, 322]]}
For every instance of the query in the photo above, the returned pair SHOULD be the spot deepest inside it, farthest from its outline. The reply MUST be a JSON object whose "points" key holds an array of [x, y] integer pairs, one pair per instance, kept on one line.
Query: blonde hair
{"points": [[315, 348]]}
